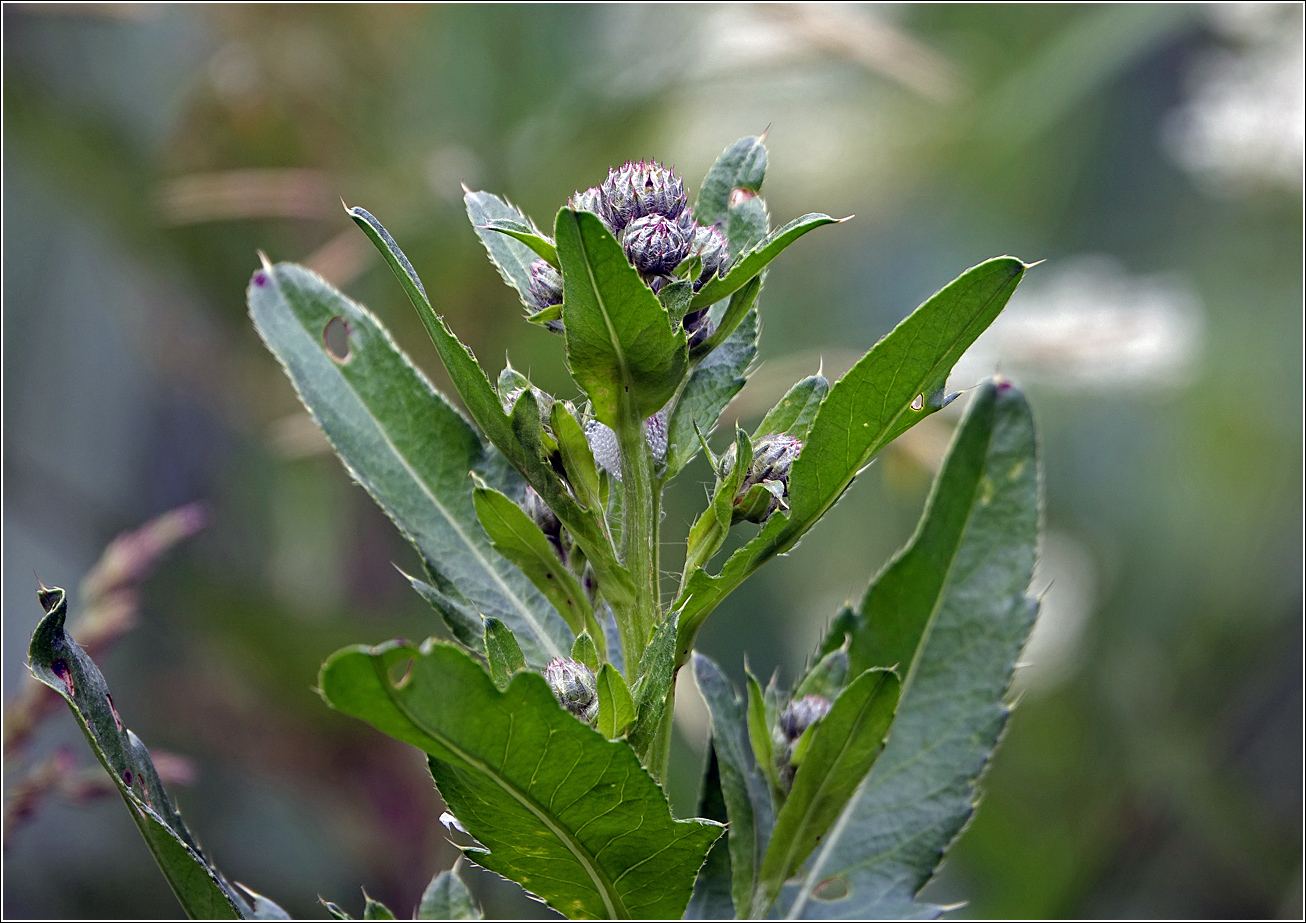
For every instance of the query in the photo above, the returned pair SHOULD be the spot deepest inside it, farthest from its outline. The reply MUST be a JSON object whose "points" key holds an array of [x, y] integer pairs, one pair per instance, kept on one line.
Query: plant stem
{"points": [[639, 539], [659, 754]]}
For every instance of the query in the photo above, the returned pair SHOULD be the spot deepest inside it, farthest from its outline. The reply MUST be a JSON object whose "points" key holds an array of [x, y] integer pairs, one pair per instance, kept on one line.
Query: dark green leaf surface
{"points": [[621, 346], [511, 257], [715, 381], [891, 836], [516, 536], [747, 266], [616, 706], [570, 816], [502, 653], [842, 748], [463, 622], [402, 441], [742, 165], [864, 411], [796, 410], [711, 900], [747, 224], [59, 662], [656, 672], [744, 785], [483, 403], [741, 304], [375, 910], [447, 898], [759, 733]]}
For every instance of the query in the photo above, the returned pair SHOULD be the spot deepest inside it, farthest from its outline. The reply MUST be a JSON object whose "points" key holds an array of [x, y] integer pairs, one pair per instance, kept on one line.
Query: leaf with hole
{"points": [[403, 442], [567, 814]]}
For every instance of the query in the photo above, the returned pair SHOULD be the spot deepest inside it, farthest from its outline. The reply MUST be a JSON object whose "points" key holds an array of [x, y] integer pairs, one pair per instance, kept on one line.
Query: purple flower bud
{"points": [[800, 715], [656, 245], [546, 285], [642, 188], [574, 686], [711, 247], [766, 483], [592, 200]]}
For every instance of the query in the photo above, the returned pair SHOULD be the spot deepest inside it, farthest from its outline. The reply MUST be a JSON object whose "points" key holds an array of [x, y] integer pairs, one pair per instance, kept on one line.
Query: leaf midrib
{"points": [[607, 890], [623, 398], [543, 637]]}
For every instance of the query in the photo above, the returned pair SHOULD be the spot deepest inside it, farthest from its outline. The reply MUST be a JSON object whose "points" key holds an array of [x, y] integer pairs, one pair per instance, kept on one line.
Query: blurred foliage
{"points": [[1154, 765]]}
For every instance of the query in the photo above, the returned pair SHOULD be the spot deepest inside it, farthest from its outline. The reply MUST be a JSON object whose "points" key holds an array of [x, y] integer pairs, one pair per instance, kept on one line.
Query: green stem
{"points": [[705, 539], [639, 540]]}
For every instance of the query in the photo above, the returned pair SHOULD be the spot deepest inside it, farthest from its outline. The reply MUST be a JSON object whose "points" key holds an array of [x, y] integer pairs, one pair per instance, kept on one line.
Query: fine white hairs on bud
{"points": [[574, 686]]}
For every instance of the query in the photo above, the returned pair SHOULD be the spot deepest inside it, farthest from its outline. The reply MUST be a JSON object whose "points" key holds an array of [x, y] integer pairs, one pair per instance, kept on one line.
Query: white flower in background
{"points": [[1089, 324], [1243, 125]]}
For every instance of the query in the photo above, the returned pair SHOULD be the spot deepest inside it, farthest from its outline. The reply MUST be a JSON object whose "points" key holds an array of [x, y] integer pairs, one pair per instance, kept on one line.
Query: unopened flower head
{"points": [[800, 715], [711, 247], [546, 285], [642, 188], [656, 245], [574, 686]]}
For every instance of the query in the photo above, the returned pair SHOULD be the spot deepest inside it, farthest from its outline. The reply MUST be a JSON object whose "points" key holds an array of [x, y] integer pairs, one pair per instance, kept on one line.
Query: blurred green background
{"points": [[1151, 154]]}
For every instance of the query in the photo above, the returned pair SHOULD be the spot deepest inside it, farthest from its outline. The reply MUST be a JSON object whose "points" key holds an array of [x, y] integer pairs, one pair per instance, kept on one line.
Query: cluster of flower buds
{"points": [[644, 205], [766, 484], [574, 686]]}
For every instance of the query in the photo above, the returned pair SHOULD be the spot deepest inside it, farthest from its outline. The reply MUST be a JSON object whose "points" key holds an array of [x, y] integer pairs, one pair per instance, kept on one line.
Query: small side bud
{"points": [[711, 247], [801, 714], [546, 285], [591, 200], [541, 515], [574, 686], [766, 485]]}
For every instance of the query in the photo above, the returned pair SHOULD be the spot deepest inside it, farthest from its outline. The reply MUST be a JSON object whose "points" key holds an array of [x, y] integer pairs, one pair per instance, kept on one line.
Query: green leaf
{"points": [[375, 910], [656, 673], [584, 651], [510, 256], [483, 403], [920, 793], [447, 898], [402, 441], [741, 166], [577, 457], [826, 677], [516, 536], [621, 346], [796, 410], [744, 785], [711, 900], [748, 264], [568, 815], [675, 297], [740, 306], [59, 662], [502, 652], [842, 747], [837, 634], [747, 223], [539, 244], [715, 381], [865, 410], [616, 707], [759, 734], [464, 622]]}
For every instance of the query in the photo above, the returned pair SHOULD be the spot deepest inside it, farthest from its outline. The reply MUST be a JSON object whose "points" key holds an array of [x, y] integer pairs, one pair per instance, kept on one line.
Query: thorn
{"points": [[842, 220], [1033, 264], [39, 582], [761, 139], [263, 258], [344, 204], [820, 366], [466, 191]]}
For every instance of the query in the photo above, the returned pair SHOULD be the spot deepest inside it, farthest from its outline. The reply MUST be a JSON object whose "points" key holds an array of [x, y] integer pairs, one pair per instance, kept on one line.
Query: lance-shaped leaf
{"points": [[652, 690], [711, 900], [621, 346], [746, 267], [890, 838], [526, 234], [509, 255], [744, 785], [616, 706], [842, 748], [715, 381], [759, 734], [892, 388], [447, 898], [516, 536], [401, 440], [796, 410], [502, 653], [741, 166], [483, 403], [463, 622], [59, 662], [570, 816]]}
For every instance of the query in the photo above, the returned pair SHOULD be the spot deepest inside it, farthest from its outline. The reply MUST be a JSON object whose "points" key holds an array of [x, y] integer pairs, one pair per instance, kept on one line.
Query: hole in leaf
{"points": [[116, 719], [401, 671], [918, 402], [832, 889], [60, 669], [336, 338], [739, 195]]}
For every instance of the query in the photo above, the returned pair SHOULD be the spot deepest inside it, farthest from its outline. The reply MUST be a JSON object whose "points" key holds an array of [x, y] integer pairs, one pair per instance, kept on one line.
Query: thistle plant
{"points": [[546, 707]]}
